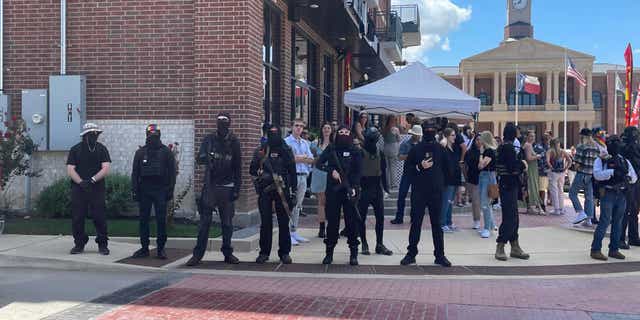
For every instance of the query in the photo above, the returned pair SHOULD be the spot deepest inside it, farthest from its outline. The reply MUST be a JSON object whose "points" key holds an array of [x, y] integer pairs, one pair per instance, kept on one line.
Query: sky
{"points": [[456, 29]]}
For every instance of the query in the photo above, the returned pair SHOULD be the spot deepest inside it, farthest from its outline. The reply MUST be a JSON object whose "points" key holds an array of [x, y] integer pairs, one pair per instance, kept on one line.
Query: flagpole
{"points": [[517, 95], [565, 99], [615, 104]]}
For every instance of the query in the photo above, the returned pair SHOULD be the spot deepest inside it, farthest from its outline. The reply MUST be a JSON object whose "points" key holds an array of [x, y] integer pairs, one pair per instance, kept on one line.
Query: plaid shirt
{"points": [[585, 156]]}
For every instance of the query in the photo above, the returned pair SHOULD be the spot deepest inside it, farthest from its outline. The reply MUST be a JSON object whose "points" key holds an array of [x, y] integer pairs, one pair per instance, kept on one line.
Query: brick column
{"points": [[228, 77]]}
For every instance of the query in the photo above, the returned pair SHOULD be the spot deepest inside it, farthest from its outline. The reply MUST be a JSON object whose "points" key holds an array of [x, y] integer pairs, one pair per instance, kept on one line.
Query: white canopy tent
{"points": [[414, 89]]}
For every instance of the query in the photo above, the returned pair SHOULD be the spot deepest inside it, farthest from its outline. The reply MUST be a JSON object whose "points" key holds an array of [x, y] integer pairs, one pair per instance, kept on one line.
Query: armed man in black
{"points": [[153, 179], [426, 166], [220, 152], [274, 169], [373, 180], [509, 168], [344, 165], [631, 152]]}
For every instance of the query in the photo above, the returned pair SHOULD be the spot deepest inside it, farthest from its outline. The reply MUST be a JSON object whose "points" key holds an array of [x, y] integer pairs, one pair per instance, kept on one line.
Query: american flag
{"points": [[572, 72]]}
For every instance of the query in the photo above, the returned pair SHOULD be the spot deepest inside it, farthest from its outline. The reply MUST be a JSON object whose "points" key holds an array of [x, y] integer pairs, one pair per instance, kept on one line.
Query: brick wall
{"points": [[137, 54]]}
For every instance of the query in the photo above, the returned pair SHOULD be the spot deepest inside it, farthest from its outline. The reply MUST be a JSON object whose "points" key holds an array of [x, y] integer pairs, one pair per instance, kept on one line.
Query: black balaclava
{"points": [[343, 141], [429, 130], [223, 123], [91, 138], [509, 133], [630, 135], [153, 136], [371, 137], [613, 145], [274, 137]]}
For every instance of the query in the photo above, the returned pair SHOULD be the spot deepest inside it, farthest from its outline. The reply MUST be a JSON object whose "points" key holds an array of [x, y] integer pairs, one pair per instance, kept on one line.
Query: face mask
{"points": [[343, 140], [613, 148], [91, 139], [274, 139], [429, 135], [223, 127], [154, 141]]}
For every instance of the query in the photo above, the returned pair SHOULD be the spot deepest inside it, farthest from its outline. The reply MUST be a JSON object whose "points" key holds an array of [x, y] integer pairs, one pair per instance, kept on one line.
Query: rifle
{"points": [[344, 180], [277, 184]]}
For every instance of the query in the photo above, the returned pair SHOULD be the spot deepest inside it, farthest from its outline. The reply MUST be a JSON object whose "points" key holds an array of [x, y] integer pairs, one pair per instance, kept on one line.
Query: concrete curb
{"points": [[11, 261]]}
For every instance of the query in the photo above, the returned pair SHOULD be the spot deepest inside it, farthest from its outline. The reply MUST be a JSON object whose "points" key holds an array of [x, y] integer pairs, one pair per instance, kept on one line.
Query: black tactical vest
{"points": [[152, 164]]}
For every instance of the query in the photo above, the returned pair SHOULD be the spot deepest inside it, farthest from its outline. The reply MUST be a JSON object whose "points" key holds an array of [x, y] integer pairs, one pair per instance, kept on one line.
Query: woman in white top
{"points": [[318, 176]]}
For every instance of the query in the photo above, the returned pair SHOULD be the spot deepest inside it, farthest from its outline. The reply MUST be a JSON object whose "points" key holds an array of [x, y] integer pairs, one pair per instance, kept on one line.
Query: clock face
{"points": [[519, 4]]}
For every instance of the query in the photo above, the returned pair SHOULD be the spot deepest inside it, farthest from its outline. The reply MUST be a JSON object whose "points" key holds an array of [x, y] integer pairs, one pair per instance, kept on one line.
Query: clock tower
{"points": [[518, 20]]}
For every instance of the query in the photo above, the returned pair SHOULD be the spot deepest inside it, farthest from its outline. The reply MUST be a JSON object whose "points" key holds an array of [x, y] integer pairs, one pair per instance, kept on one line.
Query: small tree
{"points": [[16, 148]]}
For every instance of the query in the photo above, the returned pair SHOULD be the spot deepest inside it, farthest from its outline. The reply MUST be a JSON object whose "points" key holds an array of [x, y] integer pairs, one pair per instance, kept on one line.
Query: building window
{"points": [[569, 98], [327, 67], [271, 65], [596, 97], [304, 80], [524, 99], [485, 100]]}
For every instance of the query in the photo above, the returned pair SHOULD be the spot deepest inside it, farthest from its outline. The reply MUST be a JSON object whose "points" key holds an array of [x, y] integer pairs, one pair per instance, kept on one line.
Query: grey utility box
{"points": [[5, 111], [67, 110], [35, 115]]}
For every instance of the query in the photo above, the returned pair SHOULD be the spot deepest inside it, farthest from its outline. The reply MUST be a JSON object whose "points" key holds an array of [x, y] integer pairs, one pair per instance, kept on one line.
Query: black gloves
{"points": [[85, 185]]}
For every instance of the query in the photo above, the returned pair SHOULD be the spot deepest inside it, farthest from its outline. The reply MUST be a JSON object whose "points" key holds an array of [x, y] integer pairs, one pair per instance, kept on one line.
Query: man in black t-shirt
{"points": [[87, 165]]}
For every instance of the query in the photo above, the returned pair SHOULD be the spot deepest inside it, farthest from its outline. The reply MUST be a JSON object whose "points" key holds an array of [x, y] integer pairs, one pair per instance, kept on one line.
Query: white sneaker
{"points": [[453, 227], [476, 225], [294, 242], [581, 217], [587, 224], [446, 229], [485, 233], [298, 238]]}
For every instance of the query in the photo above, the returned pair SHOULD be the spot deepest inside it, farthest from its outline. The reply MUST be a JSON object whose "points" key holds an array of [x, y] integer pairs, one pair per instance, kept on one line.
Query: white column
{"points": [[556, 128], [581, 93], [589, 87], [503, 88], [496, 127], [472, 84], [556, 87], [547, 88], [496, 88], [548, 126], [465, 82]]}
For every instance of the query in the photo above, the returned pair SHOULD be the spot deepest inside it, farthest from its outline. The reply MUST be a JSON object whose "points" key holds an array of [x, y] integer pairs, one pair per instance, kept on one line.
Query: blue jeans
{"points": [[612, 207], [582, 182], [403, 190], [486, 178], [447, 204]]}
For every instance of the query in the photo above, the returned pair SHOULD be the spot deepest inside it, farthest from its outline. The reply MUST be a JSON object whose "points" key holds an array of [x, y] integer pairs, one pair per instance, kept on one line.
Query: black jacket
{"points": [[383, 168], [426, 181], [166, 169], [279, 160], [350, 161], [223, 160], [508, 166]]}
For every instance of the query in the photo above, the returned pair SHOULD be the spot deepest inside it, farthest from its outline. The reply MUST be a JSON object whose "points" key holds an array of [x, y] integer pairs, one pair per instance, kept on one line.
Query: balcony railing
{"points": [[410, 19], [359, 9], [526, 107], [389, 27]]}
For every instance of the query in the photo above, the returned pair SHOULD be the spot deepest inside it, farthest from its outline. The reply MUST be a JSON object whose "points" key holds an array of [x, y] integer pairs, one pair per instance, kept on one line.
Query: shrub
{"points": [[55, 200]]}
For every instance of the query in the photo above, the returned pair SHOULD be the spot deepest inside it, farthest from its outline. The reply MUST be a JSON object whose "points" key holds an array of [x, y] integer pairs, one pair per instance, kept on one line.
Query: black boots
{"points": [[328, 259], [353, 257], [231, 259], [76, 249], [141, 253], [365, 248], [262, 258], [322, 232], [102, 248], [161, 254], [381, 249], [194, 261], [408, 260]]}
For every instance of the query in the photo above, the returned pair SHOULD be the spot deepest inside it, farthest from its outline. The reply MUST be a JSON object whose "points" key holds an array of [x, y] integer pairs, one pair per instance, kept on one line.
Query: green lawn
{"points": [[116, 228]]}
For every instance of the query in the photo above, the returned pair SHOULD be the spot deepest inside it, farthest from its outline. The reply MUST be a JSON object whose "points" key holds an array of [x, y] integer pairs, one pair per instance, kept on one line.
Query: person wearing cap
{"points": [[427, 167], [153, 179], [271, 160], [586, 155], [220, 154], [344, 169], [88, 164], [613, 174], [405, 181], [509, 169]]}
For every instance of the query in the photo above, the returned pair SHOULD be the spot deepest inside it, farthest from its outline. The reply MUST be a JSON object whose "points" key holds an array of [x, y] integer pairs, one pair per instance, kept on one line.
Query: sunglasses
{"points": [[299, 125]]}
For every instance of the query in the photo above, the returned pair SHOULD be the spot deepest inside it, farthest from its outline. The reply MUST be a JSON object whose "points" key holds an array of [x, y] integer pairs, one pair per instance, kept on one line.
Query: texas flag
{"points": [[528, 84]]}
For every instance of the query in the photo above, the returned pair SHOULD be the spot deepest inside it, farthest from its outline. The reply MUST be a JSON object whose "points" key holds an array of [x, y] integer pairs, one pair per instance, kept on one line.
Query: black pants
{"points": [[150, 196], [419, 202], [225, 208], [83, 201], [337, 201], [266, 203], [510, 220], [630, 218], [371, 195]]}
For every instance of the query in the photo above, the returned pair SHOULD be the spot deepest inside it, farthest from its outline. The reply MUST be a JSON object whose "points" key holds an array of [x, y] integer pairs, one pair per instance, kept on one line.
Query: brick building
{"points": [[491, 77], [180, 62]]}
